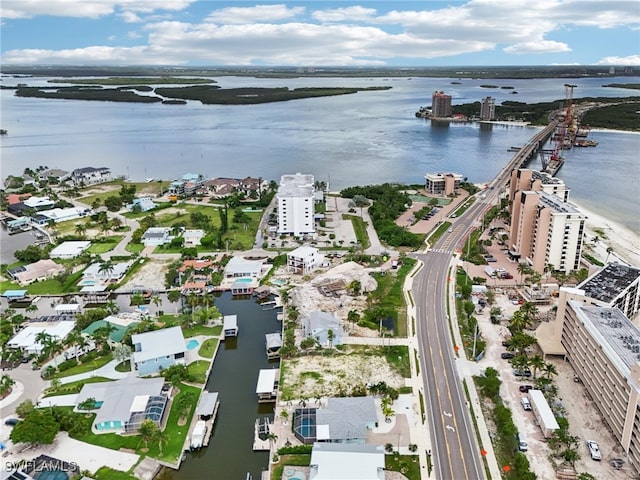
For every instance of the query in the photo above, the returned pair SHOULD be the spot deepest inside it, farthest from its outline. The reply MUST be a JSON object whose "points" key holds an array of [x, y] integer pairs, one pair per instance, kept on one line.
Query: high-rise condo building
{"points": [[441, 105], [488, 108], [295, 197]]}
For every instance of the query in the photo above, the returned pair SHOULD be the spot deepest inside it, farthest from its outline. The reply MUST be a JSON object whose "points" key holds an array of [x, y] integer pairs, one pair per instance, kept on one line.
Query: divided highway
{"points": [[455, 451]]}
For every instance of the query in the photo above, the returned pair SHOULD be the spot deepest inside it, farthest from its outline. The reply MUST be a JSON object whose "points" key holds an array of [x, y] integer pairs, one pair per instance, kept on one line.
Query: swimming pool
{"points": [[244, 280], [278, 281], [87, 283], [191, 344], [51, 475]]}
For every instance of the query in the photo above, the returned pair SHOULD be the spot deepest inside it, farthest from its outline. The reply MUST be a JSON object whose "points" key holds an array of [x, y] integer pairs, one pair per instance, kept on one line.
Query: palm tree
{"points": [[529, 311], [111, 307], [157, 301], [73, 339], [549, 369], [147, 431], [161, 437], [106, 268], [609, 252], [537, 363], [80, 229], [43, 338], [272, 437], [6, 383], [523, 269], [174, 296], [32, 308], [548, 269], [104, 228]]}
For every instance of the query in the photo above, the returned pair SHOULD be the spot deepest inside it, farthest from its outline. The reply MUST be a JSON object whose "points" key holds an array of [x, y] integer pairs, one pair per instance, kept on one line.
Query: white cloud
{"points": [[130, 17], [259, 13], [542, 46], [356, 13], [84, 8], [133, 35], [631, 60]]}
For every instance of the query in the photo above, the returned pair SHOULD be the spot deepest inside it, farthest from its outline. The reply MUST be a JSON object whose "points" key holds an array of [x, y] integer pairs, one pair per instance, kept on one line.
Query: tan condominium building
{"points": [[441, 105], [442, 183], [296, 197], [488, 108], [546, 231], [525, 179], [603, 347]]}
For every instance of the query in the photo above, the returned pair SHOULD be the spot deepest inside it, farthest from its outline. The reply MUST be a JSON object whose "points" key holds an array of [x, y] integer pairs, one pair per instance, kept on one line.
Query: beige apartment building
{"points": [[441, 105], [546, 231], [442, 183], [603, 347], [488, 108], [525, 179]]}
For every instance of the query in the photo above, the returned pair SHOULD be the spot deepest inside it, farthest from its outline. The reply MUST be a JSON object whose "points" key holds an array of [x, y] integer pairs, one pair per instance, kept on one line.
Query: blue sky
{"points": [[317, 33]]}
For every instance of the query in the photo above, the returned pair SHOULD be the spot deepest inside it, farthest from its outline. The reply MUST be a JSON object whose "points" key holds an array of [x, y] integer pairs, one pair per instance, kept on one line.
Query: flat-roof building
{"points": [[296, 200], [488, 108], [303, 259], [525, 179], [70, 249], [546, 231], [441, 105], [442, 183], [615, 285]]}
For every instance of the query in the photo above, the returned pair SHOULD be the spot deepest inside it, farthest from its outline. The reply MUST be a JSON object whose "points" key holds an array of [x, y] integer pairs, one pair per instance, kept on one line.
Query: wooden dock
{"points": [[262, 429]]}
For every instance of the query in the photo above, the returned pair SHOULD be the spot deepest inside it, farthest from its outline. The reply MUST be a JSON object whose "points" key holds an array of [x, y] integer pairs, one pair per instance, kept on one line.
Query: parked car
{"points": [[522, 373], [506, 343], [525, 388], [11, 422], [507, 355], [594, 450], [525, 403]]}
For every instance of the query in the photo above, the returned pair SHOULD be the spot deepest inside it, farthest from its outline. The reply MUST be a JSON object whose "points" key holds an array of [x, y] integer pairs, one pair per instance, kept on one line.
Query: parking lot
{"points": [[585, 421]]}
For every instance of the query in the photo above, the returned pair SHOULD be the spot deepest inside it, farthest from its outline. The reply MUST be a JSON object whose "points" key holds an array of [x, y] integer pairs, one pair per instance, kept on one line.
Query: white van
{"points": [[522, 442], [525, 403]]}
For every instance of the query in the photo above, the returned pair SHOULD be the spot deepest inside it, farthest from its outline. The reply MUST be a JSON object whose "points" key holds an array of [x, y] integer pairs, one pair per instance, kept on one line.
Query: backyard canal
{"points": [[234, 376]]}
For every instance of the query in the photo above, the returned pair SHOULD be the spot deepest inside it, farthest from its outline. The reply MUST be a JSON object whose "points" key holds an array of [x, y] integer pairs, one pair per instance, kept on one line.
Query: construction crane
{"points": [[563, 133]]}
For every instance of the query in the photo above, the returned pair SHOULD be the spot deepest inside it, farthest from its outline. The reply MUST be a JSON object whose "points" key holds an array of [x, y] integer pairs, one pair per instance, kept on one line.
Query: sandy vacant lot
{"points": [[150, 275]]}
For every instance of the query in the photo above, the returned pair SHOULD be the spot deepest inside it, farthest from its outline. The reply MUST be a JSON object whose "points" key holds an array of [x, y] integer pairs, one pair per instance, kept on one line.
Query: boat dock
{"points": [[205, 416], [262, 430]]}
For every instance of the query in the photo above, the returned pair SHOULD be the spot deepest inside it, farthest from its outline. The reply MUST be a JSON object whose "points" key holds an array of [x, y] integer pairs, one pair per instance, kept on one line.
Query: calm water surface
{"points": [[364, 138]]}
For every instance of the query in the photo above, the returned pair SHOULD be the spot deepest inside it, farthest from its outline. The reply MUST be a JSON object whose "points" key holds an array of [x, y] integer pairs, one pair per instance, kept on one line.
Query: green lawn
{"points": [[108, 244], [74, 387], [106, 473], [360, 229], [86, 367], [208, 348], [435, 235], [152, 188], [134, 247], [198, 370], [53, 285], [408, 465]]}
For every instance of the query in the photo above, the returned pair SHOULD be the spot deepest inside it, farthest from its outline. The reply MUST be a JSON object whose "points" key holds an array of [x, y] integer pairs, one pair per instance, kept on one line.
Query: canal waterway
{"points": [[230, 454], [10, 243]]}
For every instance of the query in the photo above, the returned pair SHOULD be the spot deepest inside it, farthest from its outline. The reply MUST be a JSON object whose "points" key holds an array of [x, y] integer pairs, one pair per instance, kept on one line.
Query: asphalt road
{"points": [[456, 454]]}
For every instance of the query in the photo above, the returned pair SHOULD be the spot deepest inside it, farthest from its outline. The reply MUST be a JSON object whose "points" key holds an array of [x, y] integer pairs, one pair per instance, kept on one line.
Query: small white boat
{"points": [[198, 434]]}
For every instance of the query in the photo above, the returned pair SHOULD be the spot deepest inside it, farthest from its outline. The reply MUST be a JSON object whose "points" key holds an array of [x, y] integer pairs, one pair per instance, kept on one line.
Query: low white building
{"points": [[330, 461], [26, 340], [239, 267], [156, 236], [60, 215], [93, 275], [304, 259], [39, 203], [69, 249]]}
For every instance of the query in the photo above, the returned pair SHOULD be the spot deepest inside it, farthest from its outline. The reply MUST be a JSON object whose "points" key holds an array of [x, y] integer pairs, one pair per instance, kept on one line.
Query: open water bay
{"points": [[364, 138]]}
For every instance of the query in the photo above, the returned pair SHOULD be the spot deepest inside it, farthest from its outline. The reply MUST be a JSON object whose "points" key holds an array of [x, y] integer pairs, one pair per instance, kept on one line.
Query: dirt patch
{"points": [[151, 275], [317, 376]]}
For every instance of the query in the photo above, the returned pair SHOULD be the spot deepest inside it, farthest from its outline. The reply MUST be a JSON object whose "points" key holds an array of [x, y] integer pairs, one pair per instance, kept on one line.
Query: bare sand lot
{"points": [[151, 275]]}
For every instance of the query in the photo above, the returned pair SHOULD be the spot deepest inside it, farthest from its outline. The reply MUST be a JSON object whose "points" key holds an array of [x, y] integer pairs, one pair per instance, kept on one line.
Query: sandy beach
{"points": [[624, 242]]}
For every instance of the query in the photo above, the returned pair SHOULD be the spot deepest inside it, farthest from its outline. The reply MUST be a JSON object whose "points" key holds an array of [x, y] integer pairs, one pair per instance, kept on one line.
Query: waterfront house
{"points": [[332, 461], [304, 260], [70, 249], [57, 215], [54, 174], [26, 341], [157, 350], [30, 205], [187, 185], [92, 275], [156, 236], [89, 176], [342, 420], [239, 267], [124, 404], [267, 387], [318, 324], [34, 272], [296, 200]]}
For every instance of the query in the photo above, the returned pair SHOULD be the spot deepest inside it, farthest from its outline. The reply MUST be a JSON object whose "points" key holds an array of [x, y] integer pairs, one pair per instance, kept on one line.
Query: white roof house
{"points": [[61, 214], [38, 202], [25, 339], [92, 272], [158, 349], [192, 237], [241, 267], [344, 461], [267, 386], [155, 236], [69, 249]]}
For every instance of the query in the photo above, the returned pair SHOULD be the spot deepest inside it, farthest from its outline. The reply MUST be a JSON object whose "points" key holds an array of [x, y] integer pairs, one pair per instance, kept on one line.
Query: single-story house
{"points": [[124, 404], [34, 272], [318, 324], [157, 350], [343, 420], [92, 274], [156, 236], [60, 215], [70, 249], [26, 341], [304, 260], [144, 203], [197, 265], [331, 461]]}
